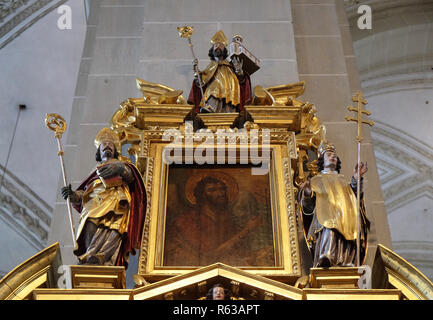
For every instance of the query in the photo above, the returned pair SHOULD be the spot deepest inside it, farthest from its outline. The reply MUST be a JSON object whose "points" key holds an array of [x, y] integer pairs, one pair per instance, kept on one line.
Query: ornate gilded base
{"points": [[107, 283], [351, 294], [338, 283], [97, 277], [335, 278]]}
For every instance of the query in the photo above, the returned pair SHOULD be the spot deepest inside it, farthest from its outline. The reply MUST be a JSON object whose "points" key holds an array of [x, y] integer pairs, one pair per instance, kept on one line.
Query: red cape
{"points": [[136, 216], [245, 89]]}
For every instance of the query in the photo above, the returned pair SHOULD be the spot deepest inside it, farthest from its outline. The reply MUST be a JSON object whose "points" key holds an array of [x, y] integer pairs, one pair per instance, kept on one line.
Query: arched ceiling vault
{"points": [[16, 16], [395, 64]]}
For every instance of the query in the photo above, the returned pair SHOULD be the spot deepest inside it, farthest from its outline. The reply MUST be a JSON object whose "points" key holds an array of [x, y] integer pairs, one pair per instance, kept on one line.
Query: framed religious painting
{"points": [[230, 203]]}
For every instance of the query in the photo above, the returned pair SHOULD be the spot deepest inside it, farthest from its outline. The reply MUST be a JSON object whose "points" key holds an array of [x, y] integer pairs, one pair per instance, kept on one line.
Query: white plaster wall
{"points": [[39, 69], [408, 195], [395, 63], [410, 111], [13, 249]]}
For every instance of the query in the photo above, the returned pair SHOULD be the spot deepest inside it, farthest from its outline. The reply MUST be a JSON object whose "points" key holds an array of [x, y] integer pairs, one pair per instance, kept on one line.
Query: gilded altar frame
{"points": [[293, 130], [282, 148]]}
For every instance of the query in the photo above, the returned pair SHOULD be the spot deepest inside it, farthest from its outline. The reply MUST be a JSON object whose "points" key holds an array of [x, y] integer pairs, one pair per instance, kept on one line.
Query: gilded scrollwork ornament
{"points": [[281, 95]]}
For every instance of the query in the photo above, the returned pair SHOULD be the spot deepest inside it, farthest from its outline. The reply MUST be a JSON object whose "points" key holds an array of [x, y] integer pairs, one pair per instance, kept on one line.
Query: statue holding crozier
{"points": [[332, 202], [112, 203], [223, 86]]}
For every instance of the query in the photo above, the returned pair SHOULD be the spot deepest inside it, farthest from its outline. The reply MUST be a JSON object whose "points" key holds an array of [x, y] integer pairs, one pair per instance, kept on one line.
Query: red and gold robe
{"points": [[221, 82], [103, 207]]}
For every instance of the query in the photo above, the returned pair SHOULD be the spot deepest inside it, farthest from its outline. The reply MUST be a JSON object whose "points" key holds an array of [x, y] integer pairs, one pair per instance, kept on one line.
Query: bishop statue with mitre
{"points": [[112, 204], [226, 87]]}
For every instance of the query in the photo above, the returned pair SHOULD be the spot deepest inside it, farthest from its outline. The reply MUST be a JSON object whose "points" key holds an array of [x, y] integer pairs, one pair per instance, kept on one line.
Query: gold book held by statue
{"points": [[110, 182]]}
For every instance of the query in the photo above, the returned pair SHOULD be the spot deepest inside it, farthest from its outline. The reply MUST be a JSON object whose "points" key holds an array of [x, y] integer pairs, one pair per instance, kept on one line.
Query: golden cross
{"points": [[361, 102]]}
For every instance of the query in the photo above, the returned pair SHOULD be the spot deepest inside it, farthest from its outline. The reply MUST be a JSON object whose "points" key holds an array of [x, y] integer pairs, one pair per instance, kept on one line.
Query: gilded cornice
{"points": [[30, 274], [404, 276], [24, 211], [187, 284]]}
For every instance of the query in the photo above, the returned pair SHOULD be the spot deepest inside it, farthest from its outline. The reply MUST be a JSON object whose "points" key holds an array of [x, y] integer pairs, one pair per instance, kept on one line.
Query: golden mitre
{"points": [[219, 37], [326, 146], [106, 134]]}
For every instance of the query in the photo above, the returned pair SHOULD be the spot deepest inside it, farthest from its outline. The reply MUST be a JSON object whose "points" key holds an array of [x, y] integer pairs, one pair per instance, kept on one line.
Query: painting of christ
{"points": [[218, 214]]}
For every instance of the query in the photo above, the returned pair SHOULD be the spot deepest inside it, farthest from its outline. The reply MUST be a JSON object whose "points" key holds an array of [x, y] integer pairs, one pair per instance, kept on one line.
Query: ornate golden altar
{"points": [[159, 120]]}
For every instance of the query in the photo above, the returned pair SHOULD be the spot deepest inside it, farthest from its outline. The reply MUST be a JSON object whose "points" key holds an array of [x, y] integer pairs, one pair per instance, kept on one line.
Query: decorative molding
{"points": [[148, 183], [32, 12], [398, 82], [395, 22], [420, 253], [24, 211], [186, 286], [383, 9], [18, 188], [22, 223], [8, 7], [290, 198], [405, 276], [387, 171], [413, 179], [18, 18], [381, 73], [414, 245]]}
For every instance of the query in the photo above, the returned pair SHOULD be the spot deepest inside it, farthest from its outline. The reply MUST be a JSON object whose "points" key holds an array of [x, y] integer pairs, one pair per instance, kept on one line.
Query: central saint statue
{"points": [[226, 87]]}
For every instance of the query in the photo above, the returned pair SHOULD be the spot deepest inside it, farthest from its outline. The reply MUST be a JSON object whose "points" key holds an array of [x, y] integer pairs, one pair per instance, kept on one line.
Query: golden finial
{"points": [[185, 31], [55, 122]]}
